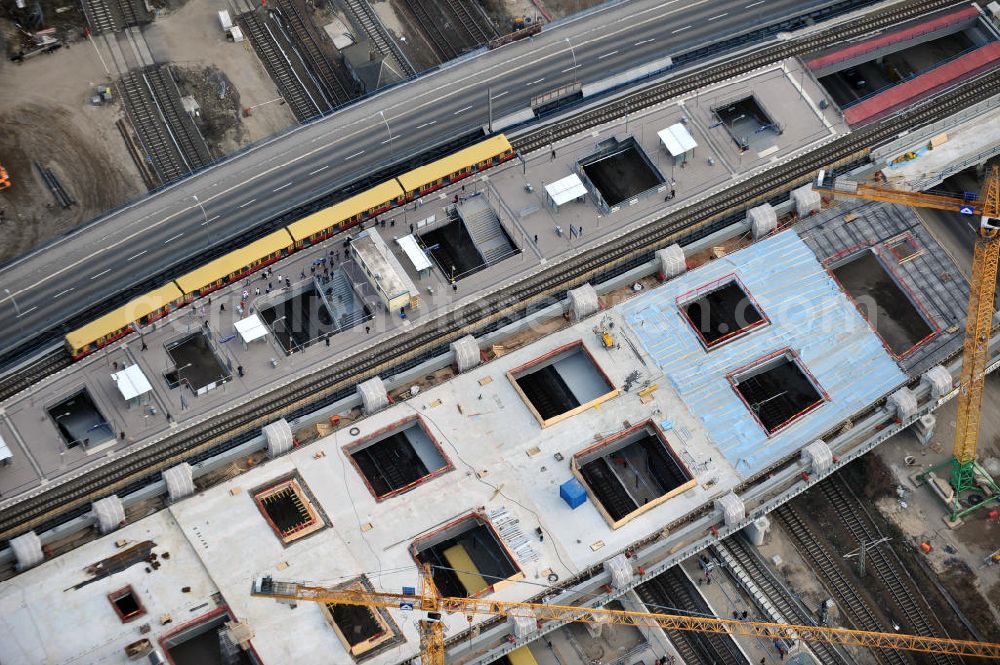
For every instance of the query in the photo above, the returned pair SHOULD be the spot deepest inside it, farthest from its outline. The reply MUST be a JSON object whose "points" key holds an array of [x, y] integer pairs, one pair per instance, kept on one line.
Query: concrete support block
{"points": [[594, 630], [756, 530], [521, 627], [818, 457], [373, 395], [583, 302], [670, 261], [762, 220], [110, 512], [938, 379], [466, 353], [924, 428], [620, 570], [733, 510], [807, 201], [179, 480], [904, 403], [27, 550], [279, 437]]}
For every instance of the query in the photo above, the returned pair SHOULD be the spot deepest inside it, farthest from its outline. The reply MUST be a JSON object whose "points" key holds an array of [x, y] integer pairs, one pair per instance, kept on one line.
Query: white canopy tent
{"points": [[133, 385], [417, 257], [565, 190], [251, 328], [678, 141]]}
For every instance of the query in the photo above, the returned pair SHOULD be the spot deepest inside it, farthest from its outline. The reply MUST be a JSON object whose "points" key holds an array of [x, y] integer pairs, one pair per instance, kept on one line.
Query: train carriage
{"points": [[454, 167], [235, 265], [121, 321], [340, 216]]}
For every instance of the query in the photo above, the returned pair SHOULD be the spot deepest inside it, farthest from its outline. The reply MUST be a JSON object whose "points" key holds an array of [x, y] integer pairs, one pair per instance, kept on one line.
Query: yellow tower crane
{"points": [[965, 473], [429, 605]]}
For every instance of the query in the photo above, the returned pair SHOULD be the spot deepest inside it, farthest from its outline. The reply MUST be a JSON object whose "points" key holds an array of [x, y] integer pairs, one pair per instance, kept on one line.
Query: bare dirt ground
{"points": [[219, 118], [403, 25], [45, 117]]}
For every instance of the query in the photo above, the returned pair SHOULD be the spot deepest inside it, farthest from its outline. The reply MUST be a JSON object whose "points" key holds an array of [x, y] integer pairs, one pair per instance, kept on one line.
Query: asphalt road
{"points": [[41, 290]]}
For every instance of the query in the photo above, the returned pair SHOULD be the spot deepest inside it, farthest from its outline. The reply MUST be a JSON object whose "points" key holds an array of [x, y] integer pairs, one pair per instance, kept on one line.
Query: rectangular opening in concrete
{"points": [[904, 248], [561, 383], [309, 312], [288, 510], [748, 124], [620, 171], [631, 472], [452, 249], [196, 364], [126, 604], [398, 458], [205, 641], [777, 389], [889, 309], [721, 311], [79, 421], [467, 557], [364, 631]]}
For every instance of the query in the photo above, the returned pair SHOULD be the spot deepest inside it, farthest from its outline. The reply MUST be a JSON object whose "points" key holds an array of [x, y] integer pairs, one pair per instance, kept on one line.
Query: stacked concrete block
{"points": [[904, 403], [583, 302], [466, 353], [924, 428], [762, 220], [110, 513], [620, 570], [756, 530], [938, 379], [27, 550], [733, 510], [180, 481], [374, 397], [522, 627], [817, 457], [807, 201], [670, 261], [279, 437]]}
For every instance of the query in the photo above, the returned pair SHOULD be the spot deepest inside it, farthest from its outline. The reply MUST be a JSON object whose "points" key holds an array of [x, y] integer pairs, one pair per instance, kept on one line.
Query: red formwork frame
{"points": [[399, 424], [930, 320], [555, 352], [789, 353], [127, 589], [289, 537], [481, 519], [204, 618], [625, 432], [715, 285]]}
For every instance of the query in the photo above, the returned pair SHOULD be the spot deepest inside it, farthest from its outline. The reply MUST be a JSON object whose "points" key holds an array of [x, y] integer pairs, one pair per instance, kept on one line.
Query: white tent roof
{"points": [[413, 252], [250, 328], [677, 140], [566, 190], [131, 382], [5, 453]]}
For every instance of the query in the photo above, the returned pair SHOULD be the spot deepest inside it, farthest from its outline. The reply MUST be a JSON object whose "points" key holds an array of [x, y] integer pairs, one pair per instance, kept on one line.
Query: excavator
{"points": [[428, 607], [4, 178], [967, 479]]}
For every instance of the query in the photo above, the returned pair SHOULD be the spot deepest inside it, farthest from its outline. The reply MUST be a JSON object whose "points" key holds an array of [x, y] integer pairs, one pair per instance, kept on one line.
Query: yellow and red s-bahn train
{"points": [[307, 231]]}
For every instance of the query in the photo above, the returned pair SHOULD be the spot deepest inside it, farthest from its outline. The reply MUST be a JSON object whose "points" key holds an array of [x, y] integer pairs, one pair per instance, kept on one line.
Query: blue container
{"points": [[573, 493]]}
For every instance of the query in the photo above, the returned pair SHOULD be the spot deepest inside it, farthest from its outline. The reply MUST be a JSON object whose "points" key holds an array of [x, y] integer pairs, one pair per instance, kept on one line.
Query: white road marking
{"points": [[426, 124], [686, 27], [498, 96], [652, 39], [135, 256], [350, 157], [27, 311], [244, 205], [569, 69], [462, 110], [210, 219], [606, 55], [172, 238], [278, 189], [719, 16], [104, 272], [534, 82], [616, 29], [754, 4], [322, 168], [387, 140], [63, 292]]}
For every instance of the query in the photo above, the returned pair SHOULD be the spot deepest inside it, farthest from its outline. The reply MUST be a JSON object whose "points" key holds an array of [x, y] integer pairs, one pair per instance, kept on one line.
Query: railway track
{"points": [[164, 90], [443, 47], [106, 16], [242, 421], [884, 562], [161, 149], [372, 26], [35, 371], [337, 87], [790, 607], [279, 67], [672, 591], [844, 593], [472, 21]]}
